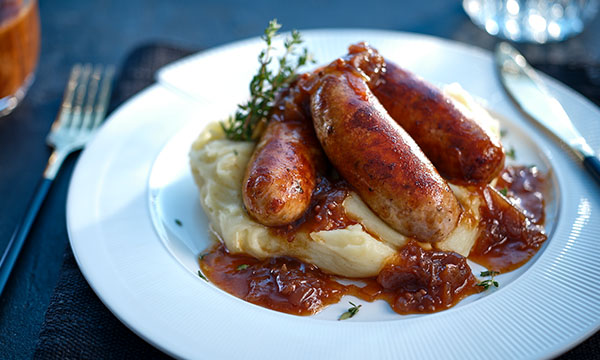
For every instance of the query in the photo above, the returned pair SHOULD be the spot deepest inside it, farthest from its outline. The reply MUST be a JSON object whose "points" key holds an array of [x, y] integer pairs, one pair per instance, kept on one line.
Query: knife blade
{"points": [[528, 90]]}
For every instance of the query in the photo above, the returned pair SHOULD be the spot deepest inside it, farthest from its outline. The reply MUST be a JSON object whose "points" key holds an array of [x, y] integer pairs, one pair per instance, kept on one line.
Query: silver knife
{"points": [[528, 90]]}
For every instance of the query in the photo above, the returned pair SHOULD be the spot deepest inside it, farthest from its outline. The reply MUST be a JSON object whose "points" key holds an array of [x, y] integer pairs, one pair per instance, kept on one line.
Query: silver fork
{"points": [[81, 113]]}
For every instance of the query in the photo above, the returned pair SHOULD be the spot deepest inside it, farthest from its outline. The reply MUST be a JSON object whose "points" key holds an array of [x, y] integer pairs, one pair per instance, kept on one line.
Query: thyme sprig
{"points": [[351, 311], [250, 118], [486, 284]]}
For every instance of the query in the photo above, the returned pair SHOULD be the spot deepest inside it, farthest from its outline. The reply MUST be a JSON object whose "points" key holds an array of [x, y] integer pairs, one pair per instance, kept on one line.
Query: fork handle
{"points": [[9, 258]]}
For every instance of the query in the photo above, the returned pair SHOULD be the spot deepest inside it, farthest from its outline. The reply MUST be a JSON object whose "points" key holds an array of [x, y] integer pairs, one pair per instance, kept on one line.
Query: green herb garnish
{"points": [[247, 121], [504, 191], [178, 222], [351, 312], [242, 267], [486, 284], [489, 273], [202, 276], [511, 153]]}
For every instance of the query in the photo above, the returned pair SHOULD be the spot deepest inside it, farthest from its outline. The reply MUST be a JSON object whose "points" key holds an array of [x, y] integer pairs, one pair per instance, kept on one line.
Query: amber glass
{"points": [[19, 50]]}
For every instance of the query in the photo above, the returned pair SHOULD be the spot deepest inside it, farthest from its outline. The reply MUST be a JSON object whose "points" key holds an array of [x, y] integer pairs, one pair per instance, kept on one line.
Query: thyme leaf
{"points": [[202, 276], [489, 273], [511, 153], [242, 267], [351, 311], [486, 284]]}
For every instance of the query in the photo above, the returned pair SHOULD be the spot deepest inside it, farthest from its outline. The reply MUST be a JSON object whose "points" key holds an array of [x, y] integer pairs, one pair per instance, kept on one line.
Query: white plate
{"points": [[134, 176]]}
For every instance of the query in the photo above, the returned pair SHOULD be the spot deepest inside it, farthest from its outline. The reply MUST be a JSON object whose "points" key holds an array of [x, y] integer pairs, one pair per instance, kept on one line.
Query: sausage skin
{"points": [[378, 158], [282, 172], [462, 150]]}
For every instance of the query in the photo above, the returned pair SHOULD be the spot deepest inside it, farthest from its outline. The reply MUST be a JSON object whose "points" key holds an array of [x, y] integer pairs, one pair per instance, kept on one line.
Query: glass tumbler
{"points": [[19, 50], [536, 21]]}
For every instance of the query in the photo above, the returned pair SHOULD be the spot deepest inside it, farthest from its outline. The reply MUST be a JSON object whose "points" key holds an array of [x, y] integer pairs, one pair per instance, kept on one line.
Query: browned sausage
{"points": [[378, 158], [461, 149], [281, 174]]}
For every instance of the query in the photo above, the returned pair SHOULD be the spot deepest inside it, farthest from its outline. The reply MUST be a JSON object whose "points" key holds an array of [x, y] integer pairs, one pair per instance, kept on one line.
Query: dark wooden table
{"points": [[103, 31]]}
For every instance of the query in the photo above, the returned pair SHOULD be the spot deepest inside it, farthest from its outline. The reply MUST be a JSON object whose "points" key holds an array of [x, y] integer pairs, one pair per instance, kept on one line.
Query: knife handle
{"points": [[592, 165]]}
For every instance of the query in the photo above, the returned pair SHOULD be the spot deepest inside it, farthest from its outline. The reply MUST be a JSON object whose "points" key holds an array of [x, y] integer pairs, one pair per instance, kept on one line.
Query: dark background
{"points": [[104, 31]]}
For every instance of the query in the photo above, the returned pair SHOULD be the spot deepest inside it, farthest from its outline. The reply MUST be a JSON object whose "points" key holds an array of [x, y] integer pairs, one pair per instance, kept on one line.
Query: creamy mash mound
{"points": [[218, 167], [359, 250]]}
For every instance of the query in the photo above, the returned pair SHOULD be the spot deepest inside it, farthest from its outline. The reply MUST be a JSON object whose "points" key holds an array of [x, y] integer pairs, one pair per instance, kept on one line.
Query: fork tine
{"points": [[91, 97], [104, 96], [67, 135], [67, 103], [80, 97]]}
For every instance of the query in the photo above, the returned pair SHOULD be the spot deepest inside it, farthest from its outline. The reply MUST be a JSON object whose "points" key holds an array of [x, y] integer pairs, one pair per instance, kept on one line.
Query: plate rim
{"points": [[141, 95]]}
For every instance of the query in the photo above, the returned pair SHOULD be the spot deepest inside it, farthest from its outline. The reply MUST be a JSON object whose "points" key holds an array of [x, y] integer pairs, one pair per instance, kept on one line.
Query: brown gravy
{"points": [[509, 238], [325, 213], [414, 281]]}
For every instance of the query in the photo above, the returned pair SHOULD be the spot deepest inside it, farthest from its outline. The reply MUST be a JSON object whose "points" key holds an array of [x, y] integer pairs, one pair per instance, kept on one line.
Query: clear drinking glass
{"points": [[537, 21], [19, 50]]}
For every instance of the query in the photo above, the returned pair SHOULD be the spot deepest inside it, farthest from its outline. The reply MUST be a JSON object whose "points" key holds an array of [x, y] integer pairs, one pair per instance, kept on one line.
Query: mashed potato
{"points": [[218, 167], [359, 250]]}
